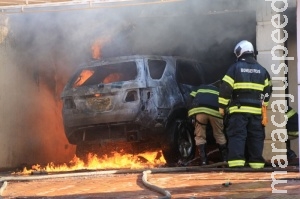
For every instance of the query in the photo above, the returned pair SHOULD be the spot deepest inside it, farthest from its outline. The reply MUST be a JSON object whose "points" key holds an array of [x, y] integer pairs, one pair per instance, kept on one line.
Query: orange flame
{"points": [[113, 77], [117, 161], [97, 46], [84, 75]]}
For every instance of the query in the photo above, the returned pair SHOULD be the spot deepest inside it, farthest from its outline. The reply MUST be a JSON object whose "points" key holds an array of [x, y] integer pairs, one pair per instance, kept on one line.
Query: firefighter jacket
{"points": [[205, 101], [292, 123], [245, 87]]}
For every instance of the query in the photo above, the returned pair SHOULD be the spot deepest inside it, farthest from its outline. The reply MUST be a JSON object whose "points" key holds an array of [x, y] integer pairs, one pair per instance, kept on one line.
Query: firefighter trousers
{"points": [[200, 129], [245, 130]]}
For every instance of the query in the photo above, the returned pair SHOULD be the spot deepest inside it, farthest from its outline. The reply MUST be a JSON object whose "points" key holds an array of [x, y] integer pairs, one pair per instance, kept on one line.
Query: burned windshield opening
{"points": [[156, 68], [106, 74]]}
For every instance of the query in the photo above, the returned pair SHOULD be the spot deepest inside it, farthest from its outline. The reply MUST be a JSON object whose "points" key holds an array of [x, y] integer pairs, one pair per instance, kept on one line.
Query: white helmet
{"points": [[243, 47]]}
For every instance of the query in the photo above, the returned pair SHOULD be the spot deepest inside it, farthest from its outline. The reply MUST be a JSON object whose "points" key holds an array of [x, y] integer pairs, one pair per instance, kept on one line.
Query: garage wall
{"points": [[292, 79], [298, 60]]}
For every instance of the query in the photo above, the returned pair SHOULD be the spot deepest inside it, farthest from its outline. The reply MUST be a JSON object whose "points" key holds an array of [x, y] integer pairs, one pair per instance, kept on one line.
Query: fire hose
{"points": [[204, 168], [167, 194], [4, 185], [162, 191], [42, 175]]}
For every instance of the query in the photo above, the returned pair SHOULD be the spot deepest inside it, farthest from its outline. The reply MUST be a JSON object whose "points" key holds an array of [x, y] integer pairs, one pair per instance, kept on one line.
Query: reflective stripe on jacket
{"points": [[290, 112], [244, 86], [205, 101]]}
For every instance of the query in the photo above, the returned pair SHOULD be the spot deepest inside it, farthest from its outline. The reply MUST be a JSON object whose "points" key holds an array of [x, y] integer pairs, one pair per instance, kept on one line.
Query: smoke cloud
{"points": [[45, 48], [204, 31]]}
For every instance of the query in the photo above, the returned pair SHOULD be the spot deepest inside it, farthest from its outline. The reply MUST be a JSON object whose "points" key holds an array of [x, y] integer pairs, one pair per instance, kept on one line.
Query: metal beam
{"points": [[24, 6], [78, 5]]}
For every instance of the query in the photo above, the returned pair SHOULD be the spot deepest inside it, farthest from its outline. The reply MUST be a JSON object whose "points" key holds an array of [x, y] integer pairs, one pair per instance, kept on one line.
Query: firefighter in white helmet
{"points": [[245, 90]]}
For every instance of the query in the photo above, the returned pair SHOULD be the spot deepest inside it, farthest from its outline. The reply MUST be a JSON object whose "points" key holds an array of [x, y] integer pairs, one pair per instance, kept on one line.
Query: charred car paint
{"points": [[133, 99]]}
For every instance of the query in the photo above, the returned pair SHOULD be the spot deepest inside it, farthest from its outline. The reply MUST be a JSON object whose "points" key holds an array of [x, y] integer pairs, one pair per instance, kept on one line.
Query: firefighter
{"points": [[245, 92], [205, 110], [292, 131]]}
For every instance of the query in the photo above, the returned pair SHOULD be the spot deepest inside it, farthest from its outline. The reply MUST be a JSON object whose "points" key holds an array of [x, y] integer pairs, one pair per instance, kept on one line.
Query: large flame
{"points": [[117, 161]]}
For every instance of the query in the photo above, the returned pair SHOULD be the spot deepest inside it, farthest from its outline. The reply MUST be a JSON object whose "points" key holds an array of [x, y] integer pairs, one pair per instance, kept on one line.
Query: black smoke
{"points": [[199, 30]]}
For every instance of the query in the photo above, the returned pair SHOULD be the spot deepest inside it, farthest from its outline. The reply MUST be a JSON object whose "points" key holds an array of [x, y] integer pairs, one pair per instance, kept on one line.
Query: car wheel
{"points": [[180, 143]]}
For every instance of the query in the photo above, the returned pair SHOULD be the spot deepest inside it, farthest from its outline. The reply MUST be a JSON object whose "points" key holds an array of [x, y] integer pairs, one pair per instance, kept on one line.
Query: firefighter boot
{"points": [[223, 151], [202, 154], [290, 153]]}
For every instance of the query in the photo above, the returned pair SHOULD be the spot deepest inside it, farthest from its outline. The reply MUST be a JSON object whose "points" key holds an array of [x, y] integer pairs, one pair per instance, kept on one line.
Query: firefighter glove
{"points": [[264, 115]]}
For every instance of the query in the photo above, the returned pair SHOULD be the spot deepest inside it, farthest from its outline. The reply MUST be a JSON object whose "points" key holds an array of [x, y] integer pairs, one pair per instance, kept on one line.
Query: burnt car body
{"points": [[133, 99]]}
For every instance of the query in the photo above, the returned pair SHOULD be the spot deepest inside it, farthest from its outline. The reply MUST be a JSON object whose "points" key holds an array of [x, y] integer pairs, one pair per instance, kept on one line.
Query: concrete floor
{"points": [[179, 182]]}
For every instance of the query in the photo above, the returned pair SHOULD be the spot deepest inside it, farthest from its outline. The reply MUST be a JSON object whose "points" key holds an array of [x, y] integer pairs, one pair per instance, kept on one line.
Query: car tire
{"points": [[180, 143]]}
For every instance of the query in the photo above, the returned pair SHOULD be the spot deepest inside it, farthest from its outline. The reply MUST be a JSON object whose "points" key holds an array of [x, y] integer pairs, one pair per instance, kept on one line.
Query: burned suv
{"points": [[133, 99]]}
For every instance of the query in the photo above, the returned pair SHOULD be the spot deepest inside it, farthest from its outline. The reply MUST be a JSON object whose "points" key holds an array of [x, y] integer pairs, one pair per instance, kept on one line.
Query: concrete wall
{"points": [[265, 45], [298, 61], [292, 79]]}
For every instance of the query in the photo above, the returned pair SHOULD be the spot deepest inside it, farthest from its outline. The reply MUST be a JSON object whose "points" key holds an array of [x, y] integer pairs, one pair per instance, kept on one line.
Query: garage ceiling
{"points": [[16, 6], [5, 3], [28, 2], [13, 6], [11, 3]]}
